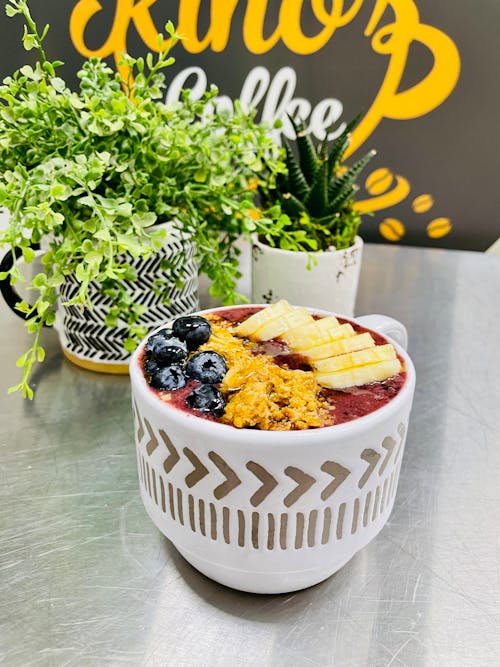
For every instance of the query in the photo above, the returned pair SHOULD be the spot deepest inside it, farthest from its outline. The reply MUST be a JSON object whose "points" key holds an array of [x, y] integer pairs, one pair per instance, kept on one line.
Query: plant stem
{"points": [[32, 25]]}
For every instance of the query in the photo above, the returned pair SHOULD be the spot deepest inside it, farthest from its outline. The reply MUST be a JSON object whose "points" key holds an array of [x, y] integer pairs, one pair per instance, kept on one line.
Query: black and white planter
{"points": [[87, 341]]}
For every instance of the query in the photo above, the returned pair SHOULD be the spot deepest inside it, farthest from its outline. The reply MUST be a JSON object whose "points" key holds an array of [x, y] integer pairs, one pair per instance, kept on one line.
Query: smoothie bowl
{"points": [[270, 439]]}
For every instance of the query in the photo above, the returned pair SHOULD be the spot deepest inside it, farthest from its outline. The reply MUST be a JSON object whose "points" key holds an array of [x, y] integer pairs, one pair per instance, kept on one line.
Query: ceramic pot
{"points": [[87, 341], [269, 511], [330, 282]]}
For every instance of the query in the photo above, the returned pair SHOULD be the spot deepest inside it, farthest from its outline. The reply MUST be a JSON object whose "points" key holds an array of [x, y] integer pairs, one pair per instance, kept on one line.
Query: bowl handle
{"points": [[387, 326]]}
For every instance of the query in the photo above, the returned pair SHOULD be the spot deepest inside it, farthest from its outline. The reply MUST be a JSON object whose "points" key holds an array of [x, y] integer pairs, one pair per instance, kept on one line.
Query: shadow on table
{"points": [[248, 605], [359, 614]]}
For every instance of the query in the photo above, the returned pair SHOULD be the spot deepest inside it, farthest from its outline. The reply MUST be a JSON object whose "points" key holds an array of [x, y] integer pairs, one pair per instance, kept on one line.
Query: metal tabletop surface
{"points": [[86, 578]]}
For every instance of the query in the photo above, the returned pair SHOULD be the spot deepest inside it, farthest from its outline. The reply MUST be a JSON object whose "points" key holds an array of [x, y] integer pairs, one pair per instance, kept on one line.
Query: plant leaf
{"points": [[297, 182], [292, 206], [28, 255], [318, 196], [340, 145], [307, 152], [340, 184]]}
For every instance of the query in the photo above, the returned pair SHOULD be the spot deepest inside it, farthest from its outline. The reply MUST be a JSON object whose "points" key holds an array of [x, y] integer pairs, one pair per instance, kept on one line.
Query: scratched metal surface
{"points": [[86, 579]]}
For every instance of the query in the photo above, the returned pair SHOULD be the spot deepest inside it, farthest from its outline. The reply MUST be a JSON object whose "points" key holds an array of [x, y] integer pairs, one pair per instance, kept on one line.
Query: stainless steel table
{"points": [[86, 579]]}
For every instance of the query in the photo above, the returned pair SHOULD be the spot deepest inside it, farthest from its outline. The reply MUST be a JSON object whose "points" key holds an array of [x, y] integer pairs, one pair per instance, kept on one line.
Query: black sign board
{"points": [[424, 74]]}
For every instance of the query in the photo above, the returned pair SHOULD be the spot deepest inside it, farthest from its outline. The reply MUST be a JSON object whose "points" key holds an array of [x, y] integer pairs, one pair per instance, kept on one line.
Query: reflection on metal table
{"points": [[86, 579]]}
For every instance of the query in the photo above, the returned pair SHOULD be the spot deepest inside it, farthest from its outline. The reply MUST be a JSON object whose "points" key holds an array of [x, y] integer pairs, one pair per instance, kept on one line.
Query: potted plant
{"points": [[127, 197], [312, 256]]}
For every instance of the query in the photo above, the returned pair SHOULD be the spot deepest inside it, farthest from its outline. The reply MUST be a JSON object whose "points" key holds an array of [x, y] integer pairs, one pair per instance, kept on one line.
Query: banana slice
{"points": [[364, 357], [315, 332], [279, 325], [250, 326], [355, 377], [341, 357], [342, 346]]}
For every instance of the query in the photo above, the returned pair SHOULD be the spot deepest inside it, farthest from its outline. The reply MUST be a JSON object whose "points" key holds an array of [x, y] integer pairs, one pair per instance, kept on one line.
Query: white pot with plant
{"points": [[312, 255], [128, 198]]}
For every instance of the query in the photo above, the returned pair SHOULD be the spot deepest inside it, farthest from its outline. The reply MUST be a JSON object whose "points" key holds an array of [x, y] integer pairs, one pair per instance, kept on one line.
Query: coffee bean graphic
{"points": [[438, 228], [379, 181], [422, 203], [392, 229]]}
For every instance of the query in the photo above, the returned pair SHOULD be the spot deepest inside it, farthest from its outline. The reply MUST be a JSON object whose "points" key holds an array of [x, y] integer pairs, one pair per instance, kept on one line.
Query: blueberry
{"points": [[150, 366], [206, 398], [209, 367], [195, 330], [163, 333], [168, 378], [166, 333], [165, 349], [154, 342]]}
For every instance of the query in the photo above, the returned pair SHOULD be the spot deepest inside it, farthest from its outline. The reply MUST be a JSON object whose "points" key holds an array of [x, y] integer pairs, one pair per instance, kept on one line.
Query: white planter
{"points": [[269, 511], [330, 283]]}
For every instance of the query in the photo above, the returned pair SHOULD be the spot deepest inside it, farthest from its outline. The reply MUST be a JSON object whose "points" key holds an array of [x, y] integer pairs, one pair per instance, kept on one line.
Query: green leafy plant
{"points": [[315, 194], [89, 173]]}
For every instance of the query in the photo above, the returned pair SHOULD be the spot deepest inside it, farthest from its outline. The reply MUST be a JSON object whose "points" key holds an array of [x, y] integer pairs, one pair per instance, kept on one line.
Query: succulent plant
{"points": [[317, 191]]}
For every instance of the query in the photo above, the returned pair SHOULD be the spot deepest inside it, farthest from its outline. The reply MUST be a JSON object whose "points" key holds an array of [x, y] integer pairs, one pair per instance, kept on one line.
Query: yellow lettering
{"points": [[289, 27], [394, 40], [391, 39], [126, 11], [253, 28], [83, 12], [217, 36], [144, 24], [292, 34], [351, 13], [318, 7]]}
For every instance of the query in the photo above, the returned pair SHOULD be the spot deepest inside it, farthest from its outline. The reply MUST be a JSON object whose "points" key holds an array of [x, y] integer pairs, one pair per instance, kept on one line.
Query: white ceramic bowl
{"points": [[270, 511]]}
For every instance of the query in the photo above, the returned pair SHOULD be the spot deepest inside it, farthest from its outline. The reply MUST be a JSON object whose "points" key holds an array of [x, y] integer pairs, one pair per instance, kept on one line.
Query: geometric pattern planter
{"points": [[85, 338]]}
